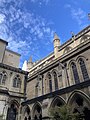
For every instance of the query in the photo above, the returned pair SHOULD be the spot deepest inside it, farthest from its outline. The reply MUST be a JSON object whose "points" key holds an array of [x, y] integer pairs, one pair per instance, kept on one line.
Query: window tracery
{"points": [[75, 72], [55, 80], [50, 83], [83, 69], [17, 81], [3, 77]]}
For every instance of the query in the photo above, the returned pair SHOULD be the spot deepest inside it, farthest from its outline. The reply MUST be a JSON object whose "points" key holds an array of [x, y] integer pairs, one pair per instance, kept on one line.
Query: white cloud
{"points": [[22, 28], [40, 1], [78, 15], [2, 18]]}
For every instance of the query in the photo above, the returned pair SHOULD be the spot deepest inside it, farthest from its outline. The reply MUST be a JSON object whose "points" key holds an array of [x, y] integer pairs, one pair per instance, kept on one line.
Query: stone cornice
{"points": [[80, 34], [19, 70], [13, 52], [78, 49], [4, 41], [7, 92], [59, 92]]}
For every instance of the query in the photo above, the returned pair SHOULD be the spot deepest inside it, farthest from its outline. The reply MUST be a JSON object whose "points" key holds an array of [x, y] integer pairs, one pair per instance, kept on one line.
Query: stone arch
{"points": [[84, 38], [48, 82], [80, 103], [83, 57], [67, 49], [49, 73], [54, 70], [69, 64], [3, 77], [26, 113], [74, 71], [13, 109], [55, 78], [15, 102], [82, 65], [57, 101], [17, 81], [37, 111]]}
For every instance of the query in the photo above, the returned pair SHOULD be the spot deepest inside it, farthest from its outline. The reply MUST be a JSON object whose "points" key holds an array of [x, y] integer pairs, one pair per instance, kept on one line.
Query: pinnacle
{"points": [[30, 60], [56, 36]]}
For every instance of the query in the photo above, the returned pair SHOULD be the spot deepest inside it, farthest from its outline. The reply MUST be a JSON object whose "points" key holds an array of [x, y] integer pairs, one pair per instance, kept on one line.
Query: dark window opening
{"points": [[11, 113], [38, 116], [55, 81], [50, 83], [17, 82], [75, 73], [83, 69]]}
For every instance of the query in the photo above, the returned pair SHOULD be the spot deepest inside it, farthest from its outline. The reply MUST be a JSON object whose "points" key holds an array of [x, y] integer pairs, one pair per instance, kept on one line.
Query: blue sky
{"points": [[29, 25]]}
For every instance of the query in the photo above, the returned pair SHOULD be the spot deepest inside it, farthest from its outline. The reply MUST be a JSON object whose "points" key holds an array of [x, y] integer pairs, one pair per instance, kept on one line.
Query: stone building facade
{"points": [[63, 77], [12, 83]]}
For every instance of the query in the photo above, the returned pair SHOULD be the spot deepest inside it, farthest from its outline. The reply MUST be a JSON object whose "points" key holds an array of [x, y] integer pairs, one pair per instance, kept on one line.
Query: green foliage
{"points": [[63, 113]]}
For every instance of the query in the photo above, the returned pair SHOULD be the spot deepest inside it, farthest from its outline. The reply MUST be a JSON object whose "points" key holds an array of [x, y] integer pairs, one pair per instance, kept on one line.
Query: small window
{"points": [[83, 69], [17, 82], [3, 77], [75, 72], [55, 80], [50, 83]]}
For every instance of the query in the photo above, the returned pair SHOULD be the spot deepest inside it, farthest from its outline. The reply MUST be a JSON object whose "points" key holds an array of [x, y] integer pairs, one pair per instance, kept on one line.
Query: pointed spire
{"points": [[72, 33], [56, 36], [30, 60], [30, 63], [56, 43]]}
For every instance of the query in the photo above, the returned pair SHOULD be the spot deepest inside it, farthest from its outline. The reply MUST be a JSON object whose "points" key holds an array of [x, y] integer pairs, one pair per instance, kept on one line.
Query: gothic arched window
{"points": [[3, 77], [75, 72], [17, 81], [83, 69], [55, 80], [50, 83]]}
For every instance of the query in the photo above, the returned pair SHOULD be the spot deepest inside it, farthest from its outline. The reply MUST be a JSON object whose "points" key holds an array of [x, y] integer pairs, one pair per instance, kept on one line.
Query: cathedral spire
{"points": [[30, 63], [56, 36], [30, 59], [56, 43]]}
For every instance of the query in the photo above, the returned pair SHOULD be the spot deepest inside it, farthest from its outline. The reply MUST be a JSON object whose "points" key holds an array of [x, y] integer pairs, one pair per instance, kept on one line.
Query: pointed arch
{"points": [[37, 111], [67, 49], [17, 81], [12, 112], [49, 82], [77, 93], [83, 68], [80, 103], [55, 76], [74, 72], [15, 102], [3, 77], [57, 101], [26, 112]]}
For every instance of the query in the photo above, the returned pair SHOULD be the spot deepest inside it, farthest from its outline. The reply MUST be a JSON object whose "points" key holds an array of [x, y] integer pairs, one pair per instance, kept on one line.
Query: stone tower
{"points": [[56, 42], [30, 63]]}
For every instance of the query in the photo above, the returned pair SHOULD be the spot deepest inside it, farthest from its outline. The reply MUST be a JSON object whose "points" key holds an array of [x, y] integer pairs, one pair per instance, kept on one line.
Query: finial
{"points": [[56, 36], [72, 33], [30, 60]]}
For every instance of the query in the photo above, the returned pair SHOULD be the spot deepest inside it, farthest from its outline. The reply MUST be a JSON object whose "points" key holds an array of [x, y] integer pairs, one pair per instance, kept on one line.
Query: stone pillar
{"points": [[45, 108], [3, 110]]}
